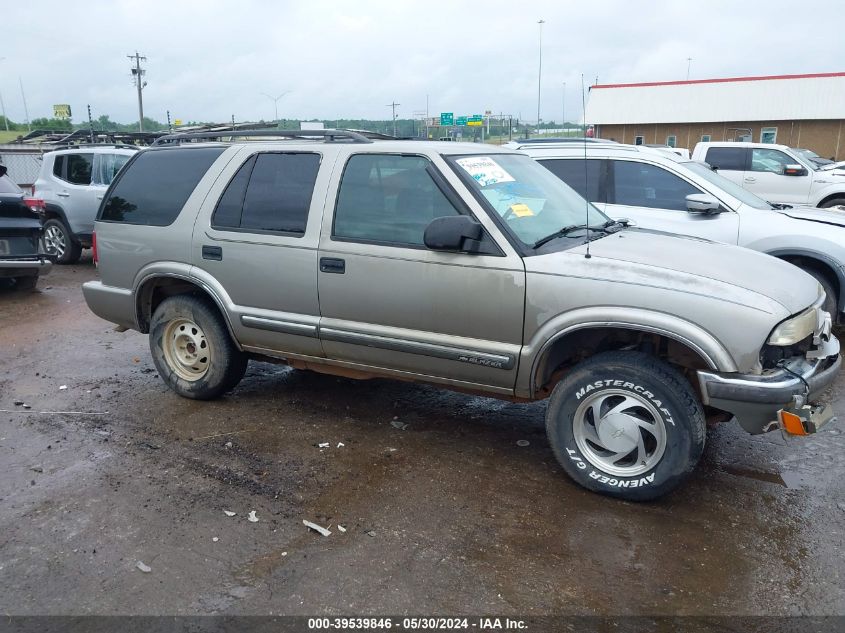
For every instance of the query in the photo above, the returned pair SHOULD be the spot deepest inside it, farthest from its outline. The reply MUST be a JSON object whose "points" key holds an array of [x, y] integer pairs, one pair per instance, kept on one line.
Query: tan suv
{"points": [[465, 266]]}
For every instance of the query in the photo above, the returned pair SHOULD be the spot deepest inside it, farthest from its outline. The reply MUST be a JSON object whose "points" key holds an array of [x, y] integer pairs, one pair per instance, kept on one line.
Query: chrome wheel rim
{"points": [[55, 241], [619, 432], [186, 349]]}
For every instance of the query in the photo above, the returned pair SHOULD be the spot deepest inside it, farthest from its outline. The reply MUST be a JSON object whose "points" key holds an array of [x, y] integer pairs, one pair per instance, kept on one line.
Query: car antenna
{"points": [[586, 188]]}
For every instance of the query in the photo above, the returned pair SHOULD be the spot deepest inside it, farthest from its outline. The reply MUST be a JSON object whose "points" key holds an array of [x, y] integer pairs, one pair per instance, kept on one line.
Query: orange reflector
{"points": [[791, 423]]}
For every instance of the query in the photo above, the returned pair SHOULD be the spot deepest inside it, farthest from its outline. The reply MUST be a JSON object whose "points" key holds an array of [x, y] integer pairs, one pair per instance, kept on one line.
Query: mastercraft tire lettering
{"points": [[627, 425]]}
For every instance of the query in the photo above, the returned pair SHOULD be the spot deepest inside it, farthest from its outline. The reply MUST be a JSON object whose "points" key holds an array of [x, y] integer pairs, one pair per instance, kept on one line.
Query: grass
{"points": [[8, 137]]}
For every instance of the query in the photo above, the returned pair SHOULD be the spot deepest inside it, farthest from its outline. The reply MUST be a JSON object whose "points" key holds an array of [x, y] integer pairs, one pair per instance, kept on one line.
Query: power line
{"points": [[138, 77]]}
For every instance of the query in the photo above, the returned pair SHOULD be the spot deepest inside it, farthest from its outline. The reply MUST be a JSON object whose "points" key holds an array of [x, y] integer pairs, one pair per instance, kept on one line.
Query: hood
{"points": [[814, 214], [687, 264]]}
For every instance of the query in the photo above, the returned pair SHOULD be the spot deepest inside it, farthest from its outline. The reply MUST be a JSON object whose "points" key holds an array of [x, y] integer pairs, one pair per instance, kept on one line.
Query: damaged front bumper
{"points": [[777, 398]]}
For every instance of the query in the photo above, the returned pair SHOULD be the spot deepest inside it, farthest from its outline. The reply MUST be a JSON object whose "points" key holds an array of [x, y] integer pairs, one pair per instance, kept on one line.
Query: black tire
{"points": [[216, 364], [836, 202], [26, 283], [60, 242], [609, 378], [831, 299]]}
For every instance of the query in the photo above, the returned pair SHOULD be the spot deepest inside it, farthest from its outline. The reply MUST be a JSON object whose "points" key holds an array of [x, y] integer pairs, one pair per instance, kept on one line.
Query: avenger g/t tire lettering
{"points": [[192, 349], [627, 425]]}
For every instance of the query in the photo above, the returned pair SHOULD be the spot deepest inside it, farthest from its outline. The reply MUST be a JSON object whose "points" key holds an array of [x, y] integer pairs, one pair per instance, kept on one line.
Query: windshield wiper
{"points": [[569, 229]]}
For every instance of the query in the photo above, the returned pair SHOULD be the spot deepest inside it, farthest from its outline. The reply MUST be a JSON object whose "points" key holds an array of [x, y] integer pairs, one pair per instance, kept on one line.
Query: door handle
{"points": [[63, 194], [749, 179], [332, 265], [212, 252], [99, 197]]}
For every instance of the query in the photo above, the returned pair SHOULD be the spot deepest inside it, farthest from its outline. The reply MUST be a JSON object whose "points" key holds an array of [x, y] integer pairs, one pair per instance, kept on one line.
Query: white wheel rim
{"points": [[186, 349], [54, 239], [619, 432]]}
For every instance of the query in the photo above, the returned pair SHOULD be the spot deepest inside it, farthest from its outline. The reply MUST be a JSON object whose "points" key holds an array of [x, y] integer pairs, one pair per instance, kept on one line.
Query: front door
{"points": [[387, 301], [655, 198], [766, 178]]}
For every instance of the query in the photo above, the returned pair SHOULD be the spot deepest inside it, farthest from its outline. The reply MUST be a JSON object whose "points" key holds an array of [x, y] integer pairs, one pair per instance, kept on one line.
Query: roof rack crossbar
{"points": [[328, 135]]}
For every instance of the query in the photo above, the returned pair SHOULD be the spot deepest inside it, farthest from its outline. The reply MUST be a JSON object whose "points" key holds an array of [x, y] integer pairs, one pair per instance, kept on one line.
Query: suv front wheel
{"points": [[59, 242], [627, 425], [192, 349]]}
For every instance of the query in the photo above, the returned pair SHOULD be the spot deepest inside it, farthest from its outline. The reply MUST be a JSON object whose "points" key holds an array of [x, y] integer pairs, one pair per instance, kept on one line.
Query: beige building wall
{"points": [[825, 137]]}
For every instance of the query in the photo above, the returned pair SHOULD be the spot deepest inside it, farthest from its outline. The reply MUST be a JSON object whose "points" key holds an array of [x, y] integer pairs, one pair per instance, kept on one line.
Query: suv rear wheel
{"points": [[192, 349], [59, 242], [627, 425]]}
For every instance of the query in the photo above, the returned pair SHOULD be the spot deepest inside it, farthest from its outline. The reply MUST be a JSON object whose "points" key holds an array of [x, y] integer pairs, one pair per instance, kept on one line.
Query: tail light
{"points": [[94, 247], [36, 205]]}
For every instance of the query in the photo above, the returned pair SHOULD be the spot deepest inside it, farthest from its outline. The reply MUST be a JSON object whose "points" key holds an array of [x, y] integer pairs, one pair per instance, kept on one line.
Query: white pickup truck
{"points": [[776, 173]]}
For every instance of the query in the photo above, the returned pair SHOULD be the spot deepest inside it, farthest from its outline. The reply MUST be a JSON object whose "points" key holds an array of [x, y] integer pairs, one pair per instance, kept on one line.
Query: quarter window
{"points": [[644, 185], [155, 186], [108, 166], [389, 199], [582, 175], [59, 167]]}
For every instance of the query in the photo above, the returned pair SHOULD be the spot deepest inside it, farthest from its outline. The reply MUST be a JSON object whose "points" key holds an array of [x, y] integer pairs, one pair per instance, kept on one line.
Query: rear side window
{"points": [[79, 168], [153, 189], [730, 158], [582, 175], [270, 192]]}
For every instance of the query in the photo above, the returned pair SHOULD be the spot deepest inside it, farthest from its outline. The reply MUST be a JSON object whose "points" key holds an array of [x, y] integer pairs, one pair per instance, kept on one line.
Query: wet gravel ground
{"points": [[448, 515]]}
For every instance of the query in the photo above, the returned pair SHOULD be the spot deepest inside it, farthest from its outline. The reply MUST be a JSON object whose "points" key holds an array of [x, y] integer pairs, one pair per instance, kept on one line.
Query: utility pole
{"points": [[90, 123], [541, 22], [393, 106], [138, 76], [689, 63], [563, 111], [25, 110], [3, 105]]}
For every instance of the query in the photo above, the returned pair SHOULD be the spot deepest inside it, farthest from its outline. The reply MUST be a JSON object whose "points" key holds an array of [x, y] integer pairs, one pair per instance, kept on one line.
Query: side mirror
{"points": [[794, 170], [457, 233], [702, 203]]}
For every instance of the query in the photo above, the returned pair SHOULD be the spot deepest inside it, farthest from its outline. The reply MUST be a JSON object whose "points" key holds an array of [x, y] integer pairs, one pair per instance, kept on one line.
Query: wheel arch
{"points": [[570, 345], [838, 195], [816, 260], [155, 288]]}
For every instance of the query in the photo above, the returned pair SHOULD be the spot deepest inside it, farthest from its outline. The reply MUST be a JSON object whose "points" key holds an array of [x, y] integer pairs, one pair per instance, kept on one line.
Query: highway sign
{"points": [[61, 111], [461, 120], [447, 118]]}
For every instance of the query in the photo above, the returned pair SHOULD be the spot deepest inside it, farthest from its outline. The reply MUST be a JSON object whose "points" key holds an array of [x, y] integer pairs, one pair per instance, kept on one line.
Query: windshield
{"points": [[530, 199], [805, 153], [743, 195]]}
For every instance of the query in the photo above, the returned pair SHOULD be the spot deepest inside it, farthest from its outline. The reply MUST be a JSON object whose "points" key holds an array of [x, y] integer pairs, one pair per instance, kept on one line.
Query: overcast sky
{"points": [[209, 59]]}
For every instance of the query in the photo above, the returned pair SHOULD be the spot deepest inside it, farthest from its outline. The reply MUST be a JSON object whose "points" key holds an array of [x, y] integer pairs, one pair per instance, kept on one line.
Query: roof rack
{"points": [[330, 136]]}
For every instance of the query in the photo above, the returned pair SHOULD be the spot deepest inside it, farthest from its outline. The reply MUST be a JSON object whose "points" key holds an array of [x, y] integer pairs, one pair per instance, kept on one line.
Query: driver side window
{"points": [[643, 185], [389, 199], [770, 160]]}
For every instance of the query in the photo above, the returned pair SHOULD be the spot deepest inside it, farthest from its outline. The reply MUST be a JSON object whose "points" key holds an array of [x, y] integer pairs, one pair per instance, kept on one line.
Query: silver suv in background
{"points": [[661, 192], [72, 183], [461, 265]]}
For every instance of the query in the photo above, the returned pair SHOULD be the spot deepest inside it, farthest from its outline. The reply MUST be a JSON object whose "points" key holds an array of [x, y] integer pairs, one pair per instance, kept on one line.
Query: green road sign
{"points": [[447, 118], [462, 120]]}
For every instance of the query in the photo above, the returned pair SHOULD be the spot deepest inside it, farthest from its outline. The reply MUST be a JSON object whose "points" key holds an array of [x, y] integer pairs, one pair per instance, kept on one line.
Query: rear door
{"points": [[766, 177], [255, 243], [655, 198], [386, 301], [730, 162], [76, 195]]}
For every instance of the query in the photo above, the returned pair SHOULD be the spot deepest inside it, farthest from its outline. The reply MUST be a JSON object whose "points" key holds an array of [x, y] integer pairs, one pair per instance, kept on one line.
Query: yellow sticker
{"points": [[521, 210]]}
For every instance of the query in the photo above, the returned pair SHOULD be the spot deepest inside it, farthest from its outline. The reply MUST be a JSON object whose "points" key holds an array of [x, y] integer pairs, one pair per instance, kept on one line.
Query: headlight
{"points": [[795, 329]]}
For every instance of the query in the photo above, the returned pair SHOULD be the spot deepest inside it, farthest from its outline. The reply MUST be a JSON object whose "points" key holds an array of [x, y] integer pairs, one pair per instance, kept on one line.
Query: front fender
{"points": [[696, 338]]}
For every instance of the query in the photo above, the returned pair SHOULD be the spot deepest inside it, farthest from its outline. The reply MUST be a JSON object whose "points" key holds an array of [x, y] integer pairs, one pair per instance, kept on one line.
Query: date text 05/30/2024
{"points": [[417, 624]]}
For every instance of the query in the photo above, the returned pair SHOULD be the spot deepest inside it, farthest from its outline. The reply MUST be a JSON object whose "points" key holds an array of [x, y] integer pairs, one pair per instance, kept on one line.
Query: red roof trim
{"points": [[716, 81]]}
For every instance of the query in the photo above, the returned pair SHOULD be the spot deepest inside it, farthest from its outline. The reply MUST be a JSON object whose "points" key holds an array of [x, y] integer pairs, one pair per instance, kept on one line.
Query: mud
{"points": [[449, 515]]}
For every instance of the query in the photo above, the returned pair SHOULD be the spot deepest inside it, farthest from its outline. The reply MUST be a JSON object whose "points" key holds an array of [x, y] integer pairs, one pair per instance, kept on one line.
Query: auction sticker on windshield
{"points": [[484, 170]]}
